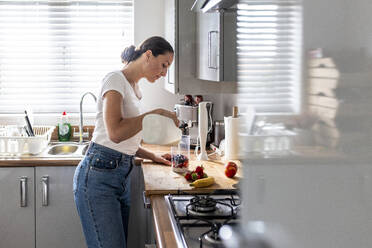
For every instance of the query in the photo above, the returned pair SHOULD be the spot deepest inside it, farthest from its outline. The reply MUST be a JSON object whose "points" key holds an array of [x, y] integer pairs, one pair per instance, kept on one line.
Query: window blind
{"points": [[269, 47], [51, 52]]}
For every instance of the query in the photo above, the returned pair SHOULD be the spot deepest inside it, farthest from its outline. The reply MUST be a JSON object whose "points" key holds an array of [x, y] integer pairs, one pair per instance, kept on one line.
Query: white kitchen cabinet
{"points": [[48, 217], [17, 216], [181, 32]]}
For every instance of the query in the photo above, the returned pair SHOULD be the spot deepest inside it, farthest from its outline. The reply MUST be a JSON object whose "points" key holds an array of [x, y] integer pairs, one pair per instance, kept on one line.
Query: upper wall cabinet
{"points": [[216, 46], [183, 32]]}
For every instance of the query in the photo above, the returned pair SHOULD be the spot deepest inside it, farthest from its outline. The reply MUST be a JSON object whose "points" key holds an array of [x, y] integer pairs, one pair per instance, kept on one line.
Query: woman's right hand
{"points": [[169, 114], [174, 118]]}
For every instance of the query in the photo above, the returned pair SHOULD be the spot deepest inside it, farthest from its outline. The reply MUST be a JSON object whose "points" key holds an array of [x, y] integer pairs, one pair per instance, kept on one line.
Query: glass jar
{"points": [[180, 155]]}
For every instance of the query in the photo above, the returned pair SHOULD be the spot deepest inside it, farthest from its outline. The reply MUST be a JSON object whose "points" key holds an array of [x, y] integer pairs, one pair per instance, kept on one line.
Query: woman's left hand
{"points": [[161, 160]]}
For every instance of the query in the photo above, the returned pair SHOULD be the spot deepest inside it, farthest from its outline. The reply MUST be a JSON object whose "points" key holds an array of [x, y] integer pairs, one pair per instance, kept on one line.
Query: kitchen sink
{"points": [[64, 149]]}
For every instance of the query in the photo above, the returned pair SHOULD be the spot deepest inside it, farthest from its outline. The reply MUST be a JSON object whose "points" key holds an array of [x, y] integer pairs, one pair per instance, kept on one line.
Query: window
{"points": [[52, 51], [269, 46]]}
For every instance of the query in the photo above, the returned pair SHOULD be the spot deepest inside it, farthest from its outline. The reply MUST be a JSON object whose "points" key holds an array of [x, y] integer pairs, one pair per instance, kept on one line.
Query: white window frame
{"points": [[52, 118]]}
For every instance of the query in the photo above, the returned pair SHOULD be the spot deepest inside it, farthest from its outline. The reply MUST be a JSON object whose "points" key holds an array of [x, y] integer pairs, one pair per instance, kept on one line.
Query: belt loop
{"points": [[130, 168], [89, 147]]}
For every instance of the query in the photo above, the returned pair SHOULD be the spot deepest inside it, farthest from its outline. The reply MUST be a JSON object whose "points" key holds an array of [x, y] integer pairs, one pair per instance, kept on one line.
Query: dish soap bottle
{"points": [[64, 128]]}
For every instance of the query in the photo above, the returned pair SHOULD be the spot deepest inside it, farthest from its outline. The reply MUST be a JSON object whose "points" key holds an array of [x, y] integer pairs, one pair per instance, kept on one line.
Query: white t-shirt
{"points": [[131, 108]]}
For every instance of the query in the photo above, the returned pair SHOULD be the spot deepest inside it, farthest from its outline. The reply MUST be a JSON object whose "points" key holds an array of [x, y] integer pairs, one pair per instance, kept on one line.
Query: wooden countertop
{"points": [[39, 161], [161, 180], [162, 225]]}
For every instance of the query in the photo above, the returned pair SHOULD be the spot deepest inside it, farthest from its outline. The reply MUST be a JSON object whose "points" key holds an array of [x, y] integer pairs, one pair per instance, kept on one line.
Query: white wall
{"points": [[149, 21]]}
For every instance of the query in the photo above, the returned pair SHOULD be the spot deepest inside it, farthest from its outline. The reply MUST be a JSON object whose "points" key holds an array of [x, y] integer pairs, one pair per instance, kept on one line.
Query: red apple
{"points": [[230, 169]]}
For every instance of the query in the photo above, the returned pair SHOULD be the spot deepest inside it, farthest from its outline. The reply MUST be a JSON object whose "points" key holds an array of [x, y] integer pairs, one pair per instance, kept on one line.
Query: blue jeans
{"points": [[102, 196]]}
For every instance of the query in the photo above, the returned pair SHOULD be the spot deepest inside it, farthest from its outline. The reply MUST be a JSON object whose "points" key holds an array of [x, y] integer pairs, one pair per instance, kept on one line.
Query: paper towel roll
{"points": [[231, 137]]}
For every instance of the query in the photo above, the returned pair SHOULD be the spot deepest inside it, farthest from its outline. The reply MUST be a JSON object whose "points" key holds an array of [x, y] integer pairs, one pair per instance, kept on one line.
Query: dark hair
{"points": [[156, 44]]}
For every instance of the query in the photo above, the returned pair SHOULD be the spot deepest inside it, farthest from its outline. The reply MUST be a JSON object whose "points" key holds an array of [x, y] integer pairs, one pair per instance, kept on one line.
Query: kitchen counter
{"points": [[47, 157], [163, 227], [161, 180], [309, 155], [39, 161]]}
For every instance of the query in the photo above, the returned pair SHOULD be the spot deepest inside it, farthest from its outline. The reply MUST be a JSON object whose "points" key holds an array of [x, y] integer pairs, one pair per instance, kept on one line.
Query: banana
{"points": [[204, 182]]}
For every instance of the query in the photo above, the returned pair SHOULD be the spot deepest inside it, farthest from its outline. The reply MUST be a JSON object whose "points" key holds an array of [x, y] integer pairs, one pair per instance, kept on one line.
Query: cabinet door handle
{"points": [[210, 65], [23, 191], [44, 190], [146, 201]]}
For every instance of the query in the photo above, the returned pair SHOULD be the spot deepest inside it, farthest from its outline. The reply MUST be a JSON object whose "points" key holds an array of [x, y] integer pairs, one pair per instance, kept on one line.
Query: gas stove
{"points": [[196, 219]]}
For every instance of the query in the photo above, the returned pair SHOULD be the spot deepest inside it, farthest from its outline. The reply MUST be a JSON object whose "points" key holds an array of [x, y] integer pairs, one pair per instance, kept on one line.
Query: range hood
{"points": [[212, 5]]}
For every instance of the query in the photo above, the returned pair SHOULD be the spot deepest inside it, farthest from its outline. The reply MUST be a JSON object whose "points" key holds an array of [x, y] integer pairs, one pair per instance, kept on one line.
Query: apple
{"points": [[230, 169]]}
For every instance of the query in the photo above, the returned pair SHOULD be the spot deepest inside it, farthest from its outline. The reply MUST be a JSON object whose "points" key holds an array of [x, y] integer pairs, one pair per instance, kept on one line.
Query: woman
{"points": [[101, 181]]}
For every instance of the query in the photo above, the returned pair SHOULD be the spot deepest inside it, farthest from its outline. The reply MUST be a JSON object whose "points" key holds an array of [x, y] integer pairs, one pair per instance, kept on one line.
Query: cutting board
{"points": [[161, 180]]}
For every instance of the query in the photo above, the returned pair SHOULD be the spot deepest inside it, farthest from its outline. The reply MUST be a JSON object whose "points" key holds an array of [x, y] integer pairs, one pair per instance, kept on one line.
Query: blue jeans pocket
{"points": [[99, 162]]}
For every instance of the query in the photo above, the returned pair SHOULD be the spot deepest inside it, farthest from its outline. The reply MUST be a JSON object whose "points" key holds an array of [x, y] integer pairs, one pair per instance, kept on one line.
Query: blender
{"points": [[189, 118]]}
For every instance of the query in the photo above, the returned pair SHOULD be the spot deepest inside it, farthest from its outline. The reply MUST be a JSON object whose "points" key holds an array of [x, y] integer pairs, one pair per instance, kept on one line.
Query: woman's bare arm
{"points": [[120, 128], [144, 153]]}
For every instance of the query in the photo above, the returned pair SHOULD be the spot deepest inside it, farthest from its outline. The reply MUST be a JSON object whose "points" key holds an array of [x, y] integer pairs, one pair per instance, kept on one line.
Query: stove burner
{"points": [[202, 204], [213, 237], [198, 218]]}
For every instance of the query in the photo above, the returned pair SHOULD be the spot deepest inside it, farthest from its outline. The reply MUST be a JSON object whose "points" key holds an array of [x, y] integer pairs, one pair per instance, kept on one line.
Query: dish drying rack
{"points": [[21, 144]]}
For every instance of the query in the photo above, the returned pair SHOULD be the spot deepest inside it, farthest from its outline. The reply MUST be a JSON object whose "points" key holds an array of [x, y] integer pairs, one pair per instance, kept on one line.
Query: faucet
{"points": [[81, 115]]}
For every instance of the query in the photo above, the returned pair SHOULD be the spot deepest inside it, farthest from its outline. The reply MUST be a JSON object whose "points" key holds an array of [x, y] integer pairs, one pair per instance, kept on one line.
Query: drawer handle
{"points": [[23, 191], [146, 201], [44, 190]]}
